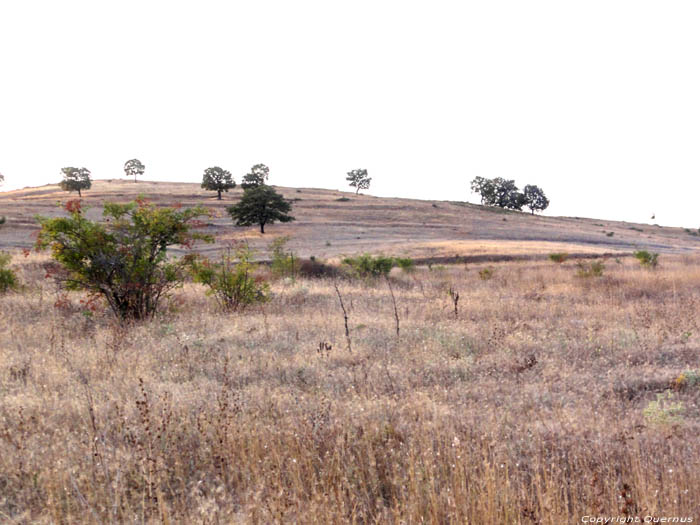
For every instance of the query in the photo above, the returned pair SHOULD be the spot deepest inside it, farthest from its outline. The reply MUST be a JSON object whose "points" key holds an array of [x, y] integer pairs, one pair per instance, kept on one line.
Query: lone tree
{"points": [[260, 205], [218, 180], [134, 167], [257, 177], [76, 179], [358, 179], [123, 259], [535, 199]]}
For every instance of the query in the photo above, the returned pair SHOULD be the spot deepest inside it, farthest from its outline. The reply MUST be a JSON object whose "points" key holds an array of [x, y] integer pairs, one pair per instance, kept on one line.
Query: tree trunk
{"points": [[262, 227], [79, 194], [357, 191], [219, 197]]}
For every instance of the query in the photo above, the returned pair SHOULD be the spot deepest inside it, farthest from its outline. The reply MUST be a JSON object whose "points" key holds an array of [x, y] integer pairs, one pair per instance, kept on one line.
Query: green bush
{"points": [[647, 259], [231, 280], [405, 263], [368, 266], [8, 279], [593, 269], [124, 260], [558, 257]]}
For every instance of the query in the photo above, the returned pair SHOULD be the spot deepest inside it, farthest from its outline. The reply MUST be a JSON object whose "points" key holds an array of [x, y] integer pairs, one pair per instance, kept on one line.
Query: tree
{"points": [[134, 167], [257, 177], [498, 192], [218, 180], [75, 179], [535, 199], [260, 205], [2, 179], [358, 179], [123, 259]]}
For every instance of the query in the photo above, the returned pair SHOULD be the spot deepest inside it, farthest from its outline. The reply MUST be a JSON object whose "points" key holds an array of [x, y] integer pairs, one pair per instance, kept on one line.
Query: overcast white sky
{"points": [[597, 102]]}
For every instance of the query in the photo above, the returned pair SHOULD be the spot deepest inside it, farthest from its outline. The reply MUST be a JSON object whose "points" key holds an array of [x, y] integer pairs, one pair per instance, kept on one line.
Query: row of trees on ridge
{"points": [[505, 194]]}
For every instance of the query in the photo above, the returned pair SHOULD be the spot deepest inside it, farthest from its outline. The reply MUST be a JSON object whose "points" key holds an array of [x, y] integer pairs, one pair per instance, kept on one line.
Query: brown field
{"points": [[544, 398], [328, 228]]}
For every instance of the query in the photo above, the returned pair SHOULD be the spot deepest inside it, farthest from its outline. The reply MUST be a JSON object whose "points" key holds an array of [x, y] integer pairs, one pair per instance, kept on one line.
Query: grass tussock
{"points": [[542, 398]]}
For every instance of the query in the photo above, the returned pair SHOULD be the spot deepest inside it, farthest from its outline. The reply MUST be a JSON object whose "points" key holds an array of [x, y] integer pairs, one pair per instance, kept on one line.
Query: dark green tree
{"points": [[218, 180], [260, 205], [498, 192], [358, 179], [535, 199], [75, 179], [134, 167], [257, 177]]}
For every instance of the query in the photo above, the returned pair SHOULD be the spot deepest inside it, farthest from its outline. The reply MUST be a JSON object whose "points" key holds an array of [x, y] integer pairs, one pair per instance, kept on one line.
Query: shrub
{"points": [[231, 280], [284, 264], [664, 410], [368, 266], [405, 263], [123, 260], [593, 269], [342, 199], [8, 279], [647, 259], [314, 268], [558, 257], [486, 273]]}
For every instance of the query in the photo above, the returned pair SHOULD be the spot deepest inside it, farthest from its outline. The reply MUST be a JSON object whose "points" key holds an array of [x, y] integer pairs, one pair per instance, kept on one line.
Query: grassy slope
{"points": [[327, 228]]}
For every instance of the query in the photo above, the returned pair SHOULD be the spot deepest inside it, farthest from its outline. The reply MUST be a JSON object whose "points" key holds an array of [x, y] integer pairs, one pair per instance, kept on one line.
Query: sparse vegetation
{"points": [[647, 259], [486, 274], [232, 280], [558, 257], [370, 266], [285, 263], [590, 269]]}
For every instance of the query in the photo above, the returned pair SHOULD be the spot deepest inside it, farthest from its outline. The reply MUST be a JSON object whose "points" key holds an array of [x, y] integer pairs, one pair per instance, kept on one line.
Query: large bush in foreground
{"points": [[123, 259]]}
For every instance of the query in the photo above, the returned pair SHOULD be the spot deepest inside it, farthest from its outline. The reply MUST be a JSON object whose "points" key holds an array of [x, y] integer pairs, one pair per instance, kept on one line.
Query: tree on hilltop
{"points": [[260, 205], [218, 180], [535, 199], [358, 179], [75, 179]]}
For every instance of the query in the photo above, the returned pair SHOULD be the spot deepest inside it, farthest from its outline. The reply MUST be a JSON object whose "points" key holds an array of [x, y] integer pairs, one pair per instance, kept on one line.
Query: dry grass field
{"points": [[541, 398], [546, 397]]}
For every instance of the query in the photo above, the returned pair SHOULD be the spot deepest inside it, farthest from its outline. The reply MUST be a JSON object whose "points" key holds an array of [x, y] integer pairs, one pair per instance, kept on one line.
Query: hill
{"points": [[331, 223]]}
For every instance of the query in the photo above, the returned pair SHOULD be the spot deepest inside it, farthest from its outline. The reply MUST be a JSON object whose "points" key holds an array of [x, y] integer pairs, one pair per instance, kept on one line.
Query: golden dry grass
{"points": [[528, 406]]}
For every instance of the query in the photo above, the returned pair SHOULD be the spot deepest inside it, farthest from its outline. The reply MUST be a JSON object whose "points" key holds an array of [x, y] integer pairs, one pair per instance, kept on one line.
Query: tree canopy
{"points": [[260, 205], [535, 199], [505, 194], [134, 167], [75, 179], [358, 179], [257, 177], [218, 180]]}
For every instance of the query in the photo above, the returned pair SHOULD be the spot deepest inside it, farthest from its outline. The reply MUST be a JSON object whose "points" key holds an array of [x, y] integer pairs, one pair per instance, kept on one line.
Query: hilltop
{"points": [[331, 223]]}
